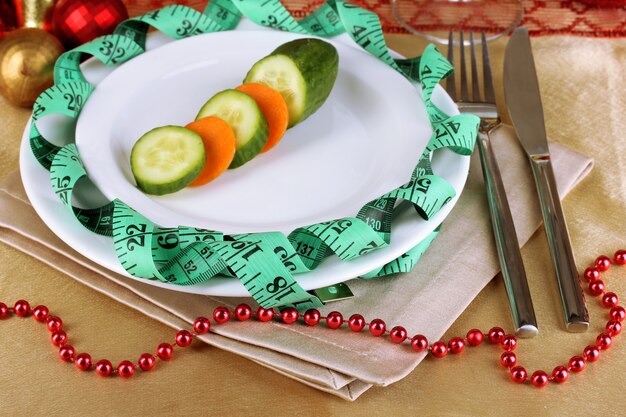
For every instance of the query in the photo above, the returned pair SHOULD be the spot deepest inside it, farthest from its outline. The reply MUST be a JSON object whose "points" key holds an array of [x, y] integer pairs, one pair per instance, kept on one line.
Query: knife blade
{"points": [[523, 100]]}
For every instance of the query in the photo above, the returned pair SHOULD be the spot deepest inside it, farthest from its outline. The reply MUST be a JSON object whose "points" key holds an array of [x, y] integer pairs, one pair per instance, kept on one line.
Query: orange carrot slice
{"points": [[219, 144], [273, 107]]}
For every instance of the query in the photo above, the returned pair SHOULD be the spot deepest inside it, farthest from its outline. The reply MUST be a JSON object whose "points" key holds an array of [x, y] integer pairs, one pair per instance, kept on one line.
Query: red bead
{"points": [[201, 325], [377, 327], [312, 317], [603, 263], [618, 313], [509, 342], [596, 287], [620, 257], [474, 337], [540, 379], [243, 312], [356, 322], [59, 338], [40, 313], [104, 367], [419, 343], [67, 353], [183, 338], [508, 359], [165, 351], [604, 341], [265, 314], [83, 361], [146, 361], [609, 300], [334, 320], [614, 327], [439, 349], [496, 334], [4, 310], [591, 274], [591, 353], [221, 315], [577, 364], [456, 345], [398, 334], [289, 315], [21, 308], [560, 374], [126, 369], [518, 374], [54, 323]]}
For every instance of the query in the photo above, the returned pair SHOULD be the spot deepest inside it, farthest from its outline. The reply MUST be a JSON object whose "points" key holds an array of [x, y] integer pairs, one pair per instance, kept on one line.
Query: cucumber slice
{"points": [[303, 71], [167, 159], [244, 116]]}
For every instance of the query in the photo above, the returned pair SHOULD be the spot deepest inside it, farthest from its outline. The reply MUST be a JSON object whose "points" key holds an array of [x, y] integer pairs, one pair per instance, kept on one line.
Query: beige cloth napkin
{"points": [[460, 262]]}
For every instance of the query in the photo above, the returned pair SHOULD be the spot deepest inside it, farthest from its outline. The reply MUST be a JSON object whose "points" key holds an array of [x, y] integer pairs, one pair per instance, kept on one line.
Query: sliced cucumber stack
{"points": [[303, 71], [244, 116], [167, 159]]}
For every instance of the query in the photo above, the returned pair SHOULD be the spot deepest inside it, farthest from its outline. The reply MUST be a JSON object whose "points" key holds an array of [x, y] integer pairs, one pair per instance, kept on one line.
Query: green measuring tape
{"points": [[265, 263]]}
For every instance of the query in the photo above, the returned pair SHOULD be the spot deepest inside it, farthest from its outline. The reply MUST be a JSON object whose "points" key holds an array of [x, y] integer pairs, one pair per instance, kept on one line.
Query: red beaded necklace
{"points": [[356, 323]]}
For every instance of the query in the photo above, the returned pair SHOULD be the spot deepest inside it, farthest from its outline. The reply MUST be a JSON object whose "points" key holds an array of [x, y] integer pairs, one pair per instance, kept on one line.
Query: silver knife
{"points": [[521, 91]]}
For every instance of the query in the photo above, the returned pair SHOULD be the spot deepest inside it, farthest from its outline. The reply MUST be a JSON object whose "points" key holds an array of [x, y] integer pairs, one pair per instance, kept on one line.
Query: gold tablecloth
{"points": [[582, 82]]}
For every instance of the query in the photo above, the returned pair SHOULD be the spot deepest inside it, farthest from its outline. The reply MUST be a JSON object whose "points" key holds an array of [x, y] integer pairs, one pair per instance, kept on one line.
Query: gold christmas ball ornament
{"points": [[27, 58]]}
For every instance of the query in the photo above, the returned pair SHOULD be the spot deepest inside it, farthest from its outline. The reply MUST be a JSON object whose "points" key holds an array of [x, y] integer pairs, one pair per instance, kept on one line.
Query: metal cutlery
{"points": [[523, 100], [513, 271]]}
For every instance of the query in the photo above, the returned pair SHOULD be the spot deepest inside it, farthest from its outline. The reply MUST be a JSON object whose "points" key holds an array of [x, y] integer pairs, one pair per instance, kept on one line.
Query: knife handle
{"points": [[513, 272], [574, 308]]}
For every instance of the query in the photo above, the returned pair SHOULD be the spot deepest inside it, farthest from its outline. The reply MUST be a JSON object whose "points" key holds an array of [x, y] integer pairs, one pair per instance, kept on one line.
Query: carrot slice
{"points": [[219, 145], [273, 107]]}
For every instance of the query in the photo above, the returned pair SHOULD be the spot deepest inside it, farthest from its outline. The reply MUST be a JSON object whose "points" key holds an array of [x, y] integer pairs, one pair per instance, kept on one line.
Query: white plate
{"points": [[363, 142]]}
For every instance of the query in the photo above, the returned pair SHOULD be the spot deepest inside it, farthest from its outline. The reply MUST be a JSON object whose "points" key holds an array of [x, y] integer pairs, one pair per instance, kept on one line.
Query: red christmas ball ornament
{"points": [[509, 342], [104, 367], [591, 274], [4, 310], [614, 327], [311, 317], [577, 364], [58, 338], [596, 287], [610, 300], [604, 341], [620, 257], [76, 22], [474, 337], [67, 353]]}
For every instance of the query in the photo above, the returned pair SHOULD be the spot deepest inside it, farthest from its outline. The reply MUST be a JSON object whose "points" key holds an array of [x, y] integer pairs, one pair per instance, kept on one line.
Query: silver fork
{"points": [[513, 271]]}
